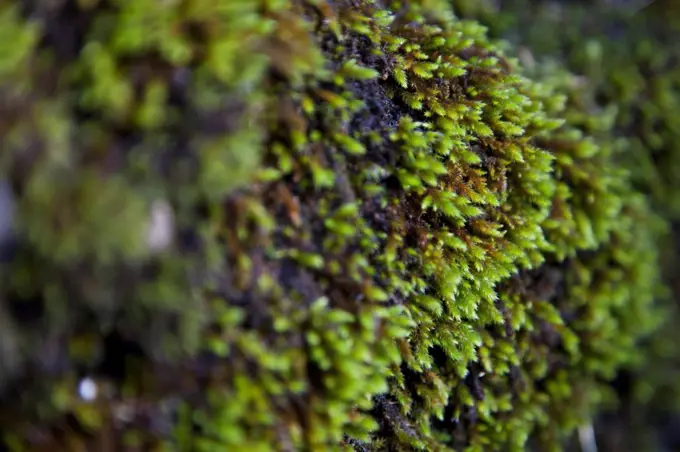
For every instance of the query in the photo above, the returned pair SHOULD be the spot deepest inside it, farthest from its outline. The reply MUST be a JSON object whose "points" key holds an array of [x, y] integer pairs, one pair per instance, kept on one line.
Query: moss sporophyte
{"points": [[377, 230]]}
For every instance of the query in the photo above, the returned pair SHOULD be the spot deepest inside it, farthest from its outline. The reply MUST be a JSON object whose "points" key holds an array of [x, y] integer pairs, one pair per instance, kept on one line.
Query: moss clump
{"points": [[627, 59], [382, 234]]}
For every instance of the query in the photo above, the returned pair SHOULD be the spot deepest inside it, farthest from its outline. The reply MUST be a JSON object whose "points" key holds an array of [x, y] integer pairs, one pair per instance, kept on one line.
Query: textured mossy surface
{"points": [[627, 59], [306, 225]]}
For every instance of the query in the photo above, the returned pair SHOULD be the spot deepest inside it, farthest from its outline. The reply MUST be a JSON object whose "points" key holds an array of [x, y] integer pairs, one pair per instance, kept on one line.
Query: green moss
{"points": [[628, 60], [385, 233]]}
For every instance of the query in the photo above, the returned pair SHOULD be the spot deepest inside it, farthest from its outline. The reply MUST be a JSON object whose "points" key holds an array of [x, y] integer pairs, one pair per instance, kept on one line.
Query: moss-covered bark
{"points": [[305, 225]]}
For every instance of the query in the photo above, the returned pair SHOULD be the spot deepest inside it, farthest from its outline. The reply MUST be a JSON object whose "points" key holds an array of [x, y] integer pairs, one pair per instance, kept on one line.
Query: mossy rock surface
{"points": [[305, 225]]}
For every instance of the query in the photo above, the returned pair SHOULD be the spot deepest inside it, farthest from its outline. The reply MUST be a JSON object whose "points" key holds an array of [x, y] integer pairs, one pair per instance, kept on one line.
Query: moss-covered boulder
{"points": [[304, 225]]}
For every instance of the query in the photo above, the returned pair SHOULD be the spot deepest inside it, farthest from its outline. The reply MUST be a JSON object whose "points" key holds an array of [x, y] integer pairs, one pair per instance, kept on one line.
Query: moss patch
{"points": [[384, 235]]}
